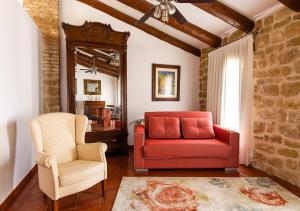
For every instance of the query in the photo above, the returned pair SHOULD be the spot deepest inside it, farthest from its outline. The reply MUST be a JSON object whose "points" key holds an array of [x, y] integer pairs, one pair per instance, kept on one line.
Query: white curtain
{"points": [[230, 91]]}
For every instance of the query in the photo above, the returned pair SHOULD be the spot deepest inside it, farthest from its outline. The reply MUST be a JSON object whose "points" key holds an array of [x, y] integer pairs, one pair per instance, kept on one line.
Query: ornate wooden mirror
{"points": [[97, 81]]}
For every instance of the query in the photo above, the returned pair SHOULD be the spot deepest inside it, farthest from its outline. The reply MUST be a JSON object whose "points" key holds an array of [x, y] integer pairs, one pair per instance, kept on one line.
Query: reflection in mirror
{"points": [[97, 81]]}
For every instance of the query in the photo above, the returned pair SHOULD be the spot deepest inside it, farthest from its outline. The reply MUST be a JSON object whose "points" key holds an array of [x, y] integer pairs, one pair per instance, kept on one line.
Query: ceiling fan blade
{"points": [[196, 1], [179, 17], [146, 16]]}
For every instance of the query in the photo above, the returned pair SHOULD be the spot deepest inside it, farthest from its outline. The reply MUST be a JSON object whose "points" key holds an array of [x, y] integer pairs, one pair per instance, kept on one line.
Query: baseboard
{"points": [[14, 194]]}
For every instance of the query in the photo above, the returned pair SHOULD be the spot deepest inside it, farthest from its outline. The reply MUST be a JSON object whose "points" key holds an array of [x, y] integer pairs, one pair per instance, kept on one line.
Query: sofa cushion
{"points": [[200, 128], [188, 148], [164, 127]]}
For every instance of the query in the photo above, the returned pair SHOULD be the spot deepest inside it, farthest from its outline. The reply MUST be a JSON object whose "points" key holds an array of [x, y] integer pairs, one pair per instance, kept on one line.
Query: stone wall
{"points": [[276, 93], [203, 77], [45, 13]]}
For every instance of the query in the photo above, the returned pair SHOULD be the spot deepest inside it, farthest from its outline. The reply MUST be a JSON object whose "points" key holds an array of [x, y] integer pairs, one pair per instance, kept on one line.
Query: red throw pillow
{"points": [[164, 127], [201, 128]]}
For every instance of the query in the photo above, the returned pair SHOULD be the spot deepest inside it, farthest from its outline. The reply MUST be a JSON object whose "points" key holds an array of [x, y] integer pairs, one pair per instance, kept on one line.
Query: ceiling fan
{"points": [[93, 69], [166, 8]]}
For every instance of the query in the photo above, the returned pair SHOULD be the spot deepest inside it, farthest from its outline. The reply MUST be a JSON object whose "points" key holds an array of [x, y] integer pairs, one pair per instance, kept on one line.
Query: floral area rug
{"points": [[203, 193]]}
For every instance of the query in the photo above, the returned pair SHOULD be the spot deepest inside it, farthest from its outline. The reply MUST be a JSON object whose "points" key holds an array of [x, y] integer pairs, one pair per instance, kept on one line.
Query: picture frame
{"points": [[92, 87], [165, 82]]}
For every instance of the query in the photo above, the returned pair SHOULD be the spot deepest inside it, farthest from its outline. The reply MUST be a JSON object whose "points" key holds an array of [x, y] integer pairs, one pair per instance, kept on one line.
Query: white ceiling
{"points": [[249, 8]]}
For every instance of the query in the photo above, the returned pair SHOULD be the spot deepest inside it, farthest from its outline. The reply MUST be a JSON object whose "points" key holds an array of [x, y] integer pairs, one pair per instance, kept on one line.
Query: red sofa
{"points": [[184, 140]]}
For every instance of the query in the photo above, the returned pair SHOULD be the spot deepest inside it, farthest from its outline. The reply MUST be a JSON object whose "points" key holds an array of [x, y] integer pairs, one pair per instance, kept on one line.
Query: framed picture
{"points": [[165, 82], [92, 87]]}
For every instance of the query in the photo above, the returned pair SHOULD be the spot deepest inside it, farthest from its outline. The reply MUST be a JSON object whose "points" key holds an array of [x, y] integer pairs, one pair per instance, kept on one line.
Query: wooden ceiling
{"points": [[228, 15], [217, 9], [88, 57], [144, 27], [188, 28]]}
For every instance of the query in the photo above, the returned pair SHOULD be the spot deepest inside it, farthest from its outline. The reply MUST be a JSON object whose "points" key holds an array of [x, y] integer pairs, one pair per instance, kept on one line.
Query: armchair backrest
{"points": [[57, 134]]}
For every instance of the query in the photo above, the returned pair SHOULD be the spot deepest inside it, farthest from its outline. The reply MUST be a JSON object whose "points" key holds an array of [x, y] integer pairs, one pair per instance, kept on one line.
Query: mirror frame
{"points": [[96, 35]]}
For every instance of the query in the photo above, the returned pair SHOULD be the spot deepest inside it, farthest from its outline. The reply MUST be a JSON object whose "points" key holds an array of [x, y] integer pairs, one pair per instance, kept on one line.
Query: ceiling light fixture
{"points": [[115, 59], [164, 9]]}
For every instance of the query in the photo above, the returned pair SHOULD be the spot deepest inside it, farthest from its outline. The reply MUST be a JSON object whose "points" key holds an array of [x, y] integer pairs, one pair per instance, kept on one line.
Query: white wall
{"points": [[19, 93], [143, 50], [109, 85]]}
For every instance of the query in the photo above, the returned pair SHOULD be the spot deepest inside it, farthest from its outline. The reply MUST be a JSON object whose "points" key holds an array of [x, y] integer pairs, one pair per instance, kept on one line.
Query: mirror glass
{"points": [[97, 85]]}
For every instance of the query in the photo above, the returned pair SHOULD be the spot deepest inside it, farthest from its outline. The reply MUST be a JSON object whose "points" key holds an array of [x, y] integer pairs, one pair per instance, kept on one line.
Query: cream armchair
{"points": [[66, 165]]}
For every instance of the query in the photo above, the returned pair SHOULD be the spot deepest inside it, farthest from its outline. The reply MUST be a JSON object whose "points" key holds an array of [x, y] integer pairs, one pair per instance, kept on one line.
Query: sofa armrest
{"points": [[139, 139], [226, 135], [232, 138], [139, 135]]}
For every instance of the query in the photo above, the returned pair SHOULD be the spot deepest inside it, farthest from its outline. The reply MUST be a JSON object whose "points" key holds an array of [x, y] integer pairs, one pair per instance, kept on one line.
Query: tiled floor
{"points": [[31, 199]]}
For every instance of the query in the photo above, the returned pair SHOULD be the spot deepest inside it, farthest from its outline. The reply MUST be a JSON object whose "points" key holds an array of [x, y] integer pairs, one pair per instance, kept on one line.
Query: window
{"points": [[230, 116]]}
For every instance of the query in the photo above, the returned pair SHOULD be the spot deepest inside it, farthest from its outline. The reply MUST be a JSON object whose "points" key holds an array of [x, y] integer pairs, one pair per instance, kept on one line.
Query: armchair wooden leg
{"points": [[55, 205], [103, 184]]}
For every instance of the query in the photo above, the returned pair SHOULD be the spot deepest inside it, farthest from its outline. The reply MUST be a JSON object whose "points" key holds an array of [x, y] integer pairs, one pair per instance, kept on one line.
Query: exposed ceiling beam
{"points": [[100, 70], [292, 4], [93, 52], [104, 68], [100, 61], [88, 65], [188, 28], [228, 15], [144, 27], [96, 52]]}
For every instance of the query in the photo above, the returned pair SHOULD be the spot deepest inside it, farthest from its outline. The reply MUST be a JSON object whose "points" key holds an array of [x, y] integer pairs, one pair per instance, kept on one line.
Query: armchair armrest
{"points": [[46, 160], [139, 139], [92, 151], [233, 139], [50, 167]]}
